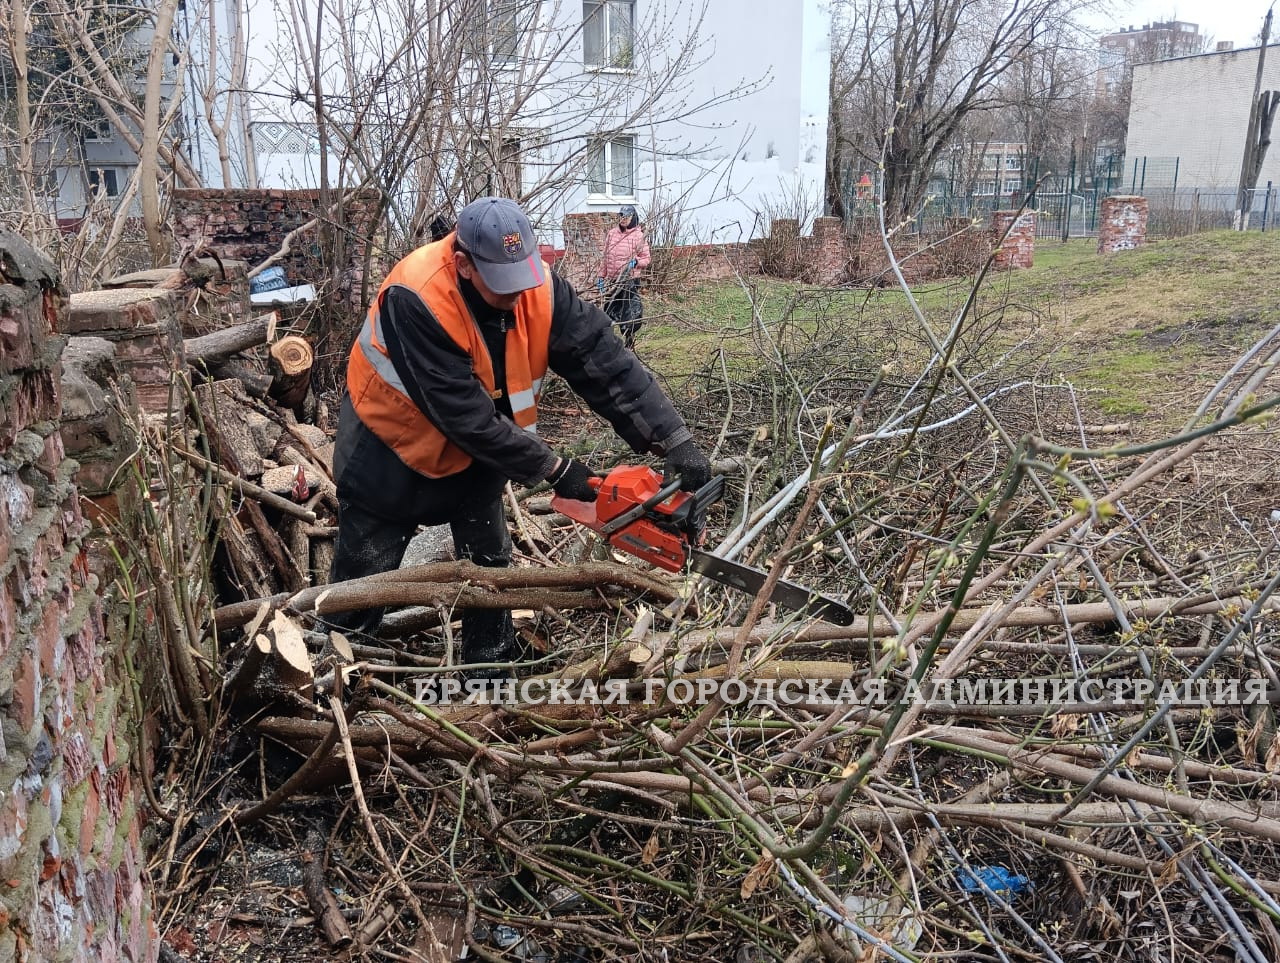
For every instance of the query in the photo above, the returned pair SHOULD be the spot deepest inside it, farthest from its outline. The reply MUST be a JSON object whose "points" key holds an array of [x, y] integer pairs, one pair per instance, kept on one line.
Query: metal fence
{"points": [[1069, 205]]}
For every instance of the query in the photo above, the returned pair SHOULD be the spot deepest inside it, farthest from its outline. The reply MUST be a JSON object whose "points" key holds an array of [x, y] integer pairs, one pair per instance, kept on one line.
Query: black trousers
{"points": [[626, 309], [381, 503]]}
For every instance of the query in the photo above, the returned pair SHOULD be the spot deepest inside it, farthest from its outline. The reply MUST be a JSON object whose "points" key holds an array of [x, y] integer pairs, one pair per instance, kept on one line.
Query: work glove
{"points": [[688, 461], [600, 285], [569, 479]]}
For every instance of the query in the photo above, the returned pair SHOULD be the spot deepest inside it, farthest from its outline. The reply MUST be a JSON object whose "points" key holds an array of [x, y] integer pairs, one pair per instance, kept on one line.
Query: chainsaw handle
{"points": [[692, 515]]}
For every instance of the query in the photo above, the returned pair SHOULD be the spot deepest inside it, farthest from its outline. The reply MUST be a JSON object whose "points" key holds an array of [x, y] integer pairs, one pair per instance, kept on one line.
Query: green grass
{"points": [[1139, 331]]}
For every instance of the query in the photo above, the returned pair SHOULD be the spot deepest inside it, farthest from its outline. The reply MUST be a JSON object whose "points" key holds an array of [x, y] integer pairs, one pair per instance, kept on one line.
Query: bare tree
{"points": [[436, 103], [913, 71]]}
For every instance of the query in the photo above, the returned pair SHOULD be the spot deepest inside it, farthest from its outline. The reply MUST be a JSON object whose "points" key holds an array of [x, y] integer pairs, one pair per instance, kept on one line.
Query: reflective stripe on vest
{"points": [[378, 393]]}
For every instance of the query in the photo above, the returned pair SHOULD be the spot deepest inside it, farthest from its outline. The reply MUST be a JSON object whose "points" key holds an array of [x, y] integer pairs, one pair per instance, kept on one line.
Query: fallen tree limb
{"points": [[461, 584], [324, 906]]}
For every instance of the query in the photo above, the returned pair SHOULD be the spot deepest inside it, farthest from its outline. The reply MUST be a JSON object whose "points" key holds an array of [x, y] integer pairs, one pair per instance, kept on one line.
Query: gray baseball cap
{"points": [[497, 236]]}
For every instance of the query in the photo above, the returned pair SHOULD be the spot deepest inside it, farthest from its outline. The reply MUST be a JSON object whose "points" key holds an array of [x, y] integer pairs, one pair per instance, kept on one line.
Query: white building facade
{"points": [[711, 111], [1195, 111]]}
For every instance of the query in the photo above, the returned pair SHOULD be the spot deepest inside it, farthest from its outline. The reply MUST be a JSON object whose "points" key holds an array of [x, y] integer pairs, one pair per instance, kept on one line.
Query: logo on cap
{"points": [[512, 243]]}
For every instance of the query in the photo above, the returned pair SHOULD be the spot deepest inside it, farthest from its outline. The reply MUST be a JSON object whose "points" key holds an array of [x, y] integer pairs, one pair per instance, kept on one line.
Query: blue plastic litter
{"points": [[996, 878], [271, 279]]}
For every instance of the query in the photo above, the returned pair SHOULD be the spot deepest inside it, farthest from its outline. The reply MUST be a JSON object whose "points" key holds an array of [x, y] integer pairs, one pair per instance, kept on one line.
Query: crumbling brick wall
{"points": [[251, 225], [71, 865]]}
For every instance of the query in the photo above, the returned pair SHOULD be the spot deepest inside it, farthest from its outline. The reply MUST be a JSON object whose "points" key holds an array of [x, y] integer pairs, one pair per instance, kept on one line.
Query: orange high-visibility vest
{"points": [[378, 394]]}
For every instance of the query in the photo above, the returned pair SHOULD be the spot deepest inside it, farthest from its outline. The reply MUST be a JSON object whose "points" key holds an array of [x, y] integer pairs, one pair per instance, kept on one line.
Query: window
{"points": [[504, 29], [103, 178], [1012, 185], [1012, 162], [986, 187], [608, 33], [99, 131], [496, 168], [611, 170]]}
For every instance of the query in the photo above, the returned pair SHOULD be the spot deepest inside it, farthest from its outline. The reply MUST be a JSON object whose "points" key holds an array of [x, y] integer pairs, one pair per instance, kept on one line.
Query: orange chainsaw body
{"points": [[657, 536]]}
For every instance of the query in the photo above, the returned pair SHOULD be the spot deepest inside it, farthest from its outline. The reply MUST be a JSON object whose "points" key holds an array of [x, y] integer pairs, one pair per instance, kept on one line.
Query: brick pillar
{"points": [[143, 326], [71, 864], [830, 257], [1018, 249], [1124, 223]]}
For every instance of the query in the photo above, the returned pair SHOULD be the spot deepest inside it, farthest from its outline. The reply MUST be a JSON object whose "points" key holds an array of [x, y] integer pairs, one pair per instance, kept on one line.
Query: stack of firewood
{"points": [[264, 434]]}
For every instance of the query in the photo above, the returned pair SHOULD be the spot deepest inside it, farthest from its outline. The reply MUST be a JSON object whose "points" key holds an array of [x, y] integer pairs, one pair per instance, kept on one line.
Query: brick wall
{"points": [[71, 865], [250, 225], [1122, 225]]}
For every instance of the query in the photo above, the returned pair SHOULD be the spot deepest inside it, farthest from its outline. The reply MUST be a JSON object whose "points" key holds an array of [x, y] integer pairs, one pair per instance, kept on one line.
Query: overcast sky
{"points": [[1237, 20]]}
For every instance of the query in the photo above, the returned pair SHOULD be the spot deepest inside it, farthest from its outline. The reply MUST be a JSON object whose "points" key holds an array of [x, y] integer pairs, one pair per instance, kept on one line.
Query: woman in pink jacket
{"points": [[626, 253]]}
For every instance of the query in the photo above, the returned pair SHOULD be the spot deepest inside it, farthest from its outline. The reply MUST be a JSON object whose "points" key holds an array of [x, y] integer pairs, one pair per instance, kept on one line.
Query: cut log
{"points": [[315, 444], [300, 548], [240, 424], [291, 360], [293, 662], [241, 680], [321, 559], [291, 456], [211, 349], [282, 480], [249, 490]]}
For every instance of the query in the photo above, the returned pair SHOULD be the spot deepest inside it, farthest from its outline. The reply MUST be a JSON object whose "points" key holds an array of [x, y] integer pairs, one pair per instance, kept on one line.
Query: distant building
{"points": [[1195, 110], [1162, 40], [1000, 172]]}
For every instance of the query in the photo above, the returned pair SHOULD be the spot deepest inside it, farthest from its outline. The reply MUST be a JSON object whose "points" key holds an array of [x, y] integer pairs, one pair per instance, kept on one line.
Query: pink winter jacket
{"points": [[620, 247]]}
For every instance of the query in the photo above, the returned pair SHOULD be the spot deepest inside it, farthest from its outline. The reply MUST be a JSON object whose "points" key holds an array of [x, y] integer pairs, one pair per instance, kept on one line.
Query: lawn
{"points": [[1139, 332]]}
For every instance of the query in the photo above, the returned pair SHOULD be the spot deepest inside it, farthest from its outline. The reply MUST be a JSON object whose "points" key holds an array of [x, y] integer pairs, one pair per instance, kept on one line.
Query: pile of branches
{"points": [[981, 528]]}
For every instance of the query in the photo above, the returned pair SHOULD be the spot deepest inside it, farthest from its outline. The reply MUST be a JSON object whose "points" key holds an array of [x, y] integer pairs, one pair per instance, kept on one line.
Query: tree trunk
{"points": [[214, 348], [148, 168], [17, 36]]}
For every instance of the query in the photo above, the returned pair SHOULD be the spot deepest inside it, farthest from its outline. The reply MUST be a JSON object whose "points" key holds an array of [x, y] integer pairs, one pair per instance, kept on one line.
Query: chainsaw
{"points": [[642, 514]]}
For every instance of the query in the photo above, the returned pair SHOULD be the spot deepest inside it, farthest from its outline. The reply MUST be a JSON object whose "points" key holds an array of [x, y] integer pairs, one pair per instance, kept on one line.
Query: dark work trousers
{"points": [[625, 309], [381, 503]]}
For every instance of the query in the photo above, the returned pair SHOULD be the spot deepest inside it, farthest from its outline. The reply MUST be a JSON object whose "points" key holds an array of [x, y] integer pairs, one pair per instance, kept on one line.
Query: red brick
{"points": [[49, 866], [1017, 250], [116, 793], [120, 309], [17, 347], [27, 685], [52, 645], [1122, 225], [76, 760], [89, 814]]}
